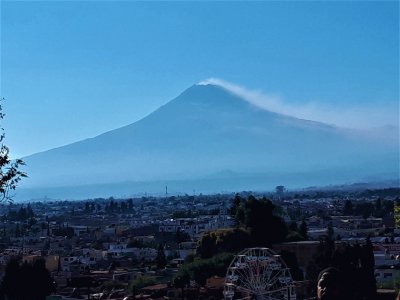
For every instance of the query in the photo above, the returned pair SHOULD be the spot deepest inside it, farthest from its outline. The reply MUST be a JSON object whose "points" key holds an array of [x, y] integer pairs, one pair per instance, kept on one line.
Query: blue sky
{"points": [[72, 70]]}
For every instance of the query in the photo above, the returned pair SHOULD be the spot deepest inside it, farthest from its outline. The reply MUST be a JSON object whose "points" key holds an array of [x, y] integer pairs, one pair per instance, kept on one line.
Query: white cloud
{"points": [[358, 117]]}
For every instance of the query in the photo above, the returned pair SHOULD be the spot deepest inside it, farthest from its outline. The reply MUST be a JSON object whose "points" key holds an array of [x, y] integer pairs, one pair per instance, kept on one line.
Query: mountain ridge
{"points": [[203, 131]]}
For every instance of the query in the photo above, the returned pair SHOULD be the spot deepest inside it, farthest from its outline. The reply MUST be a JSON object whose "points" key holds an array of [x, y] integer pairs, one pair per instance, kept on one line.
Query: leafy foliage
{"points": [[258, 217], [22, 214], [223, 240], [201, 269], [257, 225], [10, 174]]}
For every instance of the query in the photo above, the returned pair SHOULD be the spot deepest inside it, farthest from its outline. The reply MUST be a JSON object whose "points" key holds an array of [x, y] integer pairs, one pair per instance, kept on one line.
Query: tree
{"points": [[29, 211], [364, 209], [290, 259], [348, 208], [10, 174], [181, 281], [293, 226], [22, 215], [161, 260], [378, 208], [223, 240], [29, 281], [367, 270], [355, 262], [130, 204], [201, 269], [140, 282], [236, 202], [257, 216], [388, 207], [10, 284], [17, 231], [181, 236], [329, 231], [303, 230], [321, 260]]}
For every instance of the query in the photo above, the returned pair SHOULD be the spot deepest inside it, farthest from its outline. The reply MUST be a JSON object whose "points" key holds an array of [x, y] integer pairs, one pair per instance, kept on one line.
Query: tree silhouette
{"points": [[181, 281], [29, 281], [290, 259], [356, 263], [236, 202], [303, 230], [329, 231], [258, 226], [258, 217], [161, 260], [367, 262], [10, 174], [348, 208], [223, 240]]}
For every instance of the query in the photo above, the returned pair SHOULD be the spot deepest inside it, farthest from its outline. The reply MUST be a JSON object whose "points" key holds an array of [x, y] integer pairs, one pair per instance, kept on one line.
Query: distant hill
{"points": [[208, 139]]}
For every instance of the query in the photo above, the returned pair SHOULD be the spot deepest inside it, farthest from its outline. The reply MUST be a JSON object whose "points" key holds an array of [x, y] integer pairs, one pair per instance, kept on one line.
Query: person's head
{"points": [[330, 284]]}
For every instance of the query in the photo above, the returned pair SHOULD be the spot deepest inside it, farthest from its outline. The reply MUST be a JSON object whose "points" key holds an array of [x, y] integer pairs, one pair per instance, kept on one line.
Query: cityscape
{"points": [[199, 150], [180, 247]]}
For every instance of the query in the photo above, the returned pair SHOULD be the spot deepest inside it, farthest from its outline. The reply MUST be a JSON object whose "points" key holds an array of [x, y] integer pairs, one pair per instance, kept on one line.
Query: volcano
{"points": [[212, 140]]}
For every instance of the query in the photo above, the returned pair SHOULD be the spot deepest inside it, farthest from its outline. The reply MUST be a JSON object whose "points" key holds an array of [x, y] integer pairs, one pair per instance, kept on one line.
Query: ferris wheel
{"points": [[258, 273]]}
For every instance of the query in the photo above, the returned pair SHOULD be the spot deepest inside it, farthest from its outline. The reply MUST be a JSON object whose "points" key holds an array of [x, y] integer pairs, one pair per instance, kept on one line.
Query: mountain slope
{"points": [[207, 130]]}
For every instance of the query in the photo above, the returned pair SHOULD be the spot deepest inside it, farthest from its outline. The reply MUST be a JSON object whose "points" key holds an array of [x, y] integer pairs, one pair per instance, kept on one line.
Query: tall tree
{"points": [[161, 260], [130, 204], [233, 211], [348, 208], [303, 230], [10, 174], [367, 270], [329, 231], [378, 208], [87, 207]]}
